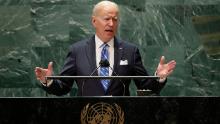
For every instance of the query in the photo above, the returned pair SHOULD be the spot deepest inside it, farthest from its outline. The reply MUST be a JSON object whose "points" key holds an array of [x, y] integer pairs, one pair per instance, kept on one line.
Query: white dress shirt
{"points": [[98, 47]]}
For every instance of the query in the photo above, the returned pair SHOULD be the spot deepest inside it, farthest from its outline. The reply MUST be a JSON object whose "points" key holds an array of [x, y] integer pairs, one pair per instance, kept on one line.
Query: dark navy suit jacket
{"points": [[81, 61]]}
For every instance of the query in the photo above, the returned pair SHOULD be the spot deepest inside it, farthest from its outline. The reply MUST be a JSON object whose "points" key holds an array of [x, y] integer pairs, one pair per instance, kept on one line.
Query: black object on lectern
{"points": [[146, 92]]}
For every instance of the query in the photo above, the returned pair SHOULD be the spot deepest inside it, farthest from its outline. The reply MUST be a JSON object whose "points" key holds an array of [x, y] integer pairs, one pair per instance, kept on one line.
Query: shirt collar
{"points": [[99, 42]]}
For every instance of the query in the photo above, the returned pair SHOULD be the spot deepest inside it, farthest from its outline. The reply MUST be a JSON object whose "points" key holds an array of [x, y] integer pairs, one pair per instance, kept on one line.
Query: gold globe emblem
{"points": [[102, 113]]}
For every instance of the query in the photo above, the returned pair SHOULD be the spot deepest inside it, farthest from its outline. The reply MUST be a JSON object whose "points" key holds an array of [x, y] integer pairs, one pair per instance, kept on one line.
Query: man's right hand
{"points": [[41, 73]]}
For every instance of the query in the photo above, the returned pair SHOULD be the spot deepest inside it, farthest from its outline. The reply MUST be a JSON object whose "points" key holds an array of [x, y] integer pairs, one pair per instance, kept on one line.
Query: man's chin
{"points": [[109, 38], [110, 35]]}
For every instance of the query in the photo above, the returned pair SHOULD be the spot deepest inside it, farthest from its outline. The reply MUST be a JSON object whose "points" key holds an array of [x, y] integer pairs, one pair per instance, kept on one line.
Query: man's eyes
{"points": [[109, 18]]}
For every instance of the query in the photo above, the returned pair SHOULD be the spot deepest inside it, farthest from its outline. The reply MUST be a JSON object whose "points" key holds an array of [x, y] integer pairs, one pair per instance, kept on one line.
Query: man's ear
{"points": [[93, 21]]}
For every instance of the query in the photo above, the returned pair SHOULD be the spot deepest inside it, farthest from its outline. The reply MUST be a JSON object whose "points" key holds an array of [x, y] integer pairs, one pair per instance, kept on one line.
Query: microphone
{"points": [[104, 63]]}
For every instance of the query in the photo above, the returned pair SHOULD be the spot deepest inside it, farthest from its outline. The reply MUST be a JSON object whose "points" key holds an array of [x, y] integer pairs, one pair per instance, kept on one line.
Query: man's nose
{"points": [[111, 23]]}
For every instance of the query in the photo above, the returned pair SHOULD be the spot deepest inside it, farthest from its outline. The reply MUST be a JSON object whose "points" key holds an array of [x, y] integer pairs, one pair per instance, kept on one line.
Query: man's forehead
{"points": [[108, 12]]}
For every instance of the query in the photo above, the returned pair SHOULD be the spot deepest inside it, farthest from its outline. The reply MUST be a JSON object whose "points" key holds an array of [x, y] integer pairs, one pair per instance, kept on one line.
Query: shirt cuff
{"points": [[49, 82], [160, 80]]}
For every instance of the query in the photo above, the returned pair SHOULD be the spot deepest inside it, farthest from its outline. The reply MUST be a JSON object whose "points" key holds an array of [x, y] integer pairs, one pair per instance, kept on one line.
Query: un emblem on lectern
{"points": [[102, 113]]}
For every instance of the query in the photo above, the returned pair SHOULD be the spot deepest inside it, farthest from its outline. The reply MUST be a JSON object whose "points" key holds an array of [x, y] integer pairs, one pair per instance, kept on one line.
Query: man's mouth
{"points": [[109, 30]]}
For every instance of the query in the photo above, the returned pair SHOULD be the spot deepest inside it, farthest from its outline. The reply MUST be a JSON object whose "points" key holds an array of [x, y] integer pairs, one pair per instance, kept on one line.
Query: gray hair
{"points": [[101, 4]]}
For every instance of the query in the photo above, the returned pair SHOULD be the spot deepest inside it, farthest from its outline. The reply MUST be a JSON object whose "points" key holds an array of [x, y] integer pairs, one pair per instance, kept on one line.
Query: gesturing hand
{"points": [[41, 73], [164, 70]]}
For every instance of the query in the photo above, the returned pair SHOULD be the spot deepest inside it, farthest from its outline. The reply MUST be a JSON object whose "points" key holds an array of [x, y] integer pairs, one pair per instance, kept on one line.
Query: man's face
{"points": [[106, 23]]}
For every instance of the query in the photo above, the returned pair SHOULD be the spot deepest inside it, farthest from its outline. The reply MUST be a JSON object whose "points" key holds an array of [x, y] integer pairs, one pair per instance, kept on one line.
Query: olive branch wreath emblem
{"points": [[102, 113]]}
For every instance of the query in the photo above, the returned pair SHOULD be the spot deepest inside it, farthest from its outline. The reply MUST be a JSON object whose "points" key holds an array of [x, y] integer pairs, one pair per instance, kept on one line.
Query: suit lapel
{"points": [[118, 51], [91, 55]]}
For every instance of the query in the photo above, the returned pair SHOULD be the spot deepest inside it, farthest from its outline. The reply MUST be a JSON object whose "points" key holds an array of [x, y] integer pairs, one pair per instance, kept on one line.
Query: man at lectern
{"points": [[84, 57]]}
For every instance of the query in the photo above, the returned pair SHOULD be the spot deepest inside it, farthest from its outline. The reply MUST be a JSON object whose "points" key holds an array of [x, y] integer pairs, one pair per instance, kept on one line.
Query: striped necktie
{"points": [[104, 71]]}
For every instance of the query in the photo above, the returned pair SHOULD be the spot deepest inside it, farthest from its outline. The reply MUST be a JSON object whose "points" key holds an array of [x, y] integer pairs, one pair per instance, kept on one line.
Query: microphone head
{"points": [[104, 63]]}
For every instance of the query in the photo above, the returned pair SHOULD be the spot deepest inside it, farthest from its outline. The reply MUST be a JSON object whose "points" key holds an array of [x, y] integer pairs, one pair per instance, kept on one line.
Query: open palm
{"points": [[164, 70]]}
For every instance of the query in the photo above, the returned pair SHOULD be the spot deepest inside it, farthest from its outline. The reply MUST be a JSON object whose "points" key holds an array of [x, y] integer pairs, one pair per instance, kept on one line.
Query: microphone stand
{"points": [[90, 75], [119, 80], [105, 63]]}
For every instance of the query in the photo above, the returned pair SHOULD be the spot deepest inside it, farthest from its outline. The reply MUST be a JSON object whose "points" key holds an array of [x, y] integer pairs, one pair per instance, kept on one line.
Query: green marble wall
{"points": [[34, 32]]}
